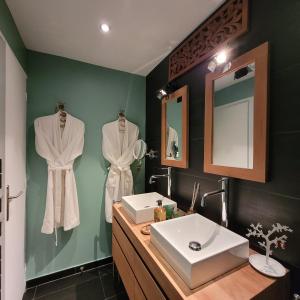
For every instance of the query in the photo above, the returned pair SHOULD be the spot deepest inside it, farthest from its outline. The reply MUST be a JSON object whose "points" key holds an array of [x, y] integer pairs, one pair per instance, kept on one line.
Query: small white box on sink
{"points": [[140, 207]]}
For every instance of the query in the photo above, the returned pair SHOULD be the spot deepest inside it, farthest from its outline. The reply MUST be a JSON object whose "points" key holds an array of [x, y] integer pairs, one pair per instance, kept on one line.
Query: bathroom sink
{"points": [[221, 249], [140, 207]]}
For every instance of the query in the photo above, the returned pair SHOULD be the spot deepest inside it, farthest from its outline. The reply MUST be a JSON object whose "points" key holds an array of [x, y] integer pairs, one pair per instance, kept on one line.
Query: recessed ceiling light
{"points": [[104, 27]]}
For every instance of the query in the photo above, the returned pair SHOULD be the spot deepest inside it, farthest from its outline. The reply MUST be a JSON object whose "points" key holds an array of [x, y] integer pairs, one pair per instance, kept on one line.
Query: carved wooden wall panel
{"points": [[227, 23]]}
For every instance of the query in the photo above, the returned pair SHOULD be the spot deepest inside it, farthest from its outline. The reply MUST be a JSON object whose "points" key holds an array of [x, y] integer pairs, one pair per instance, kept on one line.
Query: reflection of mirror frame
{"points": [[183, 163], [259, 56]]}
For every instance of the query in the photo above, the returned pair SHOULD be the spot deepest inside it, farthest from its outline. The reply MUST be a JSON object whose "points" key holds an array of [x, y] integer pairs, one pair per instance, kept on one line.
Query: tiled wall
{"points": [[279, 199]]}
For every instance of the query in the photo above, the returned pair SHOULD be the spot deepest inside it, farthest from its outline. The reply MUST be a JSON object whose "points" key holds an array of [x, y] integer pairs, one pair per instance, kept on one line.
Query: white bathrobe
{"points": [[172, 139], [117, 148], [60, 147]]}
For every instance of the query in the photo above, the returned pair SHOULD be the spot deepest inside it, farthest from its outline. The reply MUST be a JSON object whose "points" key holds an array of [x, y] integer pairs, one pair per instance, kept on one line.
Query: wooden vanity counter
{"points": [[147, 275]]}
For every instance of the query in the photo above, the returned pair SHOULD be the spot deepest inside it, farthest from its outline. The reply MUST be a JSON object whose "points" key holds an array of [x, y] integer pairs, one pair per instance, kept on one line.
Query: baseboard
{"points": [[67, 272]]}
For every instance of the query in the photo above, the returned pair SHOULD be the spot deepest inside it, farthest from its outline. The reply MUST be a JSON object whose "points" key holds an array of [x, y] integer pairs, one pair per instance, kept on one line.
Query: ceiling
{"points": [[142, 32]]}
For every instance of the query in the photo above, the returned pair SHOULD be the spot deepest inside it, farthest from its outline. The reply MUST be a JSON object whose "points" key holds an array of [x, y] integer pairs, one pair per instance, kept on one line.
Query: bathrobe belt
{"points": [[68, 167], [117, 168], [120, 173], [58, 192]]}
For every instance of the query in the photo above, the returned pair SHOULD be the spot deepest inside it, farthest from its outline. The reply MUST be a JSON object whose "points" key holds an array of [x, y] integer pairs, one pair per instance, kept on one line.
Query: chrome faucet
{"points": [[168, 175], [224, 197]]}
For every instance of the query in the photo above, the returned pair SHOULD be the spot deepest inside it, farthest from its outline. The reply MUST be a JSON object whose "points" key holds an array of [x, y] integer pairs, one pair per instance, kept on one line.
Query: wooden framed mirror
{"points": [[236, 118], [174, 129]]}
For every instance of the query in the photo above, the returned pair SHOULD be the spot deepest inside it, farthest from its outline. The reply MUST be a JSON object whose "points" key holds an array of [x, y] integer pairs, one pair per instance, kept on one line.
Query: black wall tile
{"points": [[284, 98], [260, 209], [284, 166], [279, 199]]}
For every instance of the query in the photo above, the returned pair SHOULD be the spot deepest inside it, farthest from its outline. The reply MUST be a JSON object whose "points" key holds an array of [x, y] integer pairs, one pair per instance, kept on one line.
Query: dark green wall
{"points": [[11, 34], [95, 95]]}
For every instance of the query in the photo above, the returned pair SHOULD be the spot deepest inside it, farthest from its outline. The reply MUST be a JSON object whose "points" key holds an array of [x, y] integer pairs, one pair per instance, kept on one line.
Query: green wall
{"points": [[11, 34], [235, 92], [95, 95]]}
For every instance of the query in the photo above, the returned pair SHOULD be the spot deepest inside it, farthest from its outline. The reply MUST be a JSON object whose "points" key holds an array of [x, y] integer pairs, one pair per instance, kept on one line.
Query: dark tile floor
{"points": [[95, 284]]}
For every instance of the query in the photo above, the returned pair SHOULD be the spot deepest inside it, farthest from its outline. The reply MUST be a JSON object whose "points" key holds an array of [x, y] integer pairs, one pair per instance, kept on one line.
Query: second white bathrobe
{"points": [[117, 148], [60, 148]]}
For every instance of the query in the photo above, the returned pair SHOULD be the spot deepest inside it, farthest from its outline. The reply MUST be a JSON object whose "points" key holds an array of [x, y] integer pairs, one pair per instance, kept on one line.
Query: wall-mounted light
{"points": [[160, 94], [212, 65], [219, 59], [166, 90], [227, 67]]}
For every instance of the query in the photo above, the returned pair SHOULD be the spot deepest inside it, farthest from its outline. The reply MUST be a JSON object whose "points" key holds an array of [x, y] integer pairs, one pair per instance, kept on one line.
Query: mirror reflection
{"points": [[233, 118], [174, 129], [139, 149]]}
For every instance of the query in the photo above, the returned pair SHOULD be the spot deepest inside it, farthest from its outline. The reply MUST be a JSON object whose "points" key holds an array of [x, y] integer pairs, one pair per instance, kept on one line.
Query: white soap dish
{"points": [[273, 268]]}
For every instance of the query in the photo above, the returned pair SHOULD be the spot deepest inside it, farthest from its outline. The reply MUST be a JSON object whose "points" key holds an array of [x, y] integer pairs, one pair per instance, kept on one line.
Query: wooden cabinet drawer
{"points": [[123, 241], [124, 269], [145, 287], [150, 289]]}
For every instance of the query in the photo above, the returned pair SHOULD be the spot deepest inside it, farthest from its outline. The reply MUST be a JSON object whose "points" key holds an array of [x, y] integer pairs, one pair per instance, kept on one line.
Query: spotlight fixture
{"points": [[212, 65], [104, 28], [227, 67], [221, 57], [160, 94], [165, 90]]}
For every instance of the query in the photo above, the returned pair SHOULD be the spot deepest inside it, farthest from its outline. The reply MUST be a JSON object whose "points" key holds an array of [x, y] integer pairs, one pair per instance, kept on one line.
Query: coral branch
{"points": [[263, 244], [278, 228], [257, 231]]}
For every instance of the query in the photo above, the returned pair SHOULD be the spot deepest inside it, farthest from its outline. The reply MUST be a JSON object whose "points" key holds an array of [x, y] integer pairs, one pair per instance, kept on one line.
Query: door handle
{"points": [[9, 199], [16, 196]]}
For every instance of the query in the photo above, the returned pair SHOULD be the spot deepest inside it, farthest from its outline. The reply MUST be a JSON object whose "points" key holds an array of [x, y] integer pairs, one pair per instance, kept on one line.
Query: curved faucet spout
{"points": [[151, 180], [168, 176], [206, 195], [224, 197]]}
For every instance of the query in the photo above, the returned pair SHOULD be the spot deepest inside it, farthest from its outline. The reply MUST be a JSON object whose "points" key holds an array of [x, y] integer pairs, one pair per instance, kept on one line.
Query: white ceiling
{"points": [[143, 32]]}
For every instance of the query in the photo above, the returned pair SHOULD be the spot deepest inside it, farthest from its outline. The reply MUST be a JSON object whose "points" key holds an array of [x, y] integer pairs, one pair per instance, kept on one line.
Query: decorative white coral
{"points": [[257, 231]]}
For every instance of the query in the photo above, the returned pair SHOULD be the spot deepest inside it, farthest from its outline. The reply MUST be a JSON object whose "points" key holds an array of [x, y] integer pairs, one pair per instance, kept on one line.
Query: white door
{"points": [[14, 170], [233, 134]]}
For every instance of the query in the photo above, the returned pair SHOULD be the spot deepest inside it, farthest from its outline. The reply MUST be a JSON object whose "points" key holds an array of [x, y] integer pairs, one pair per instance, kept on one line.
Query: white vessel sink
{"points": [[140, 207], [221, 249]]}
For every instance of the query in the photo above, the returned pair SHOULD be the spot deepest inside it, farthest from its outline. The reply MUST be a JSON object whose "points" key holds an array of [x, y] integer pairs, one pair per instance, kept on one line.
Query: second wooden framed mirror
{"points": [[174, 129]]}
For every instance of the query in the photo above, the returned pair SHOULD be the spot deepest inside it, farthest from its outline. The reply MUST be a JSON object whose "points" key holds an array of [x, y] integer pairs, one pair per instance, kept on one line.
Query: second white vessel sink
{"points": [[198, 249], [140, 207]]}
